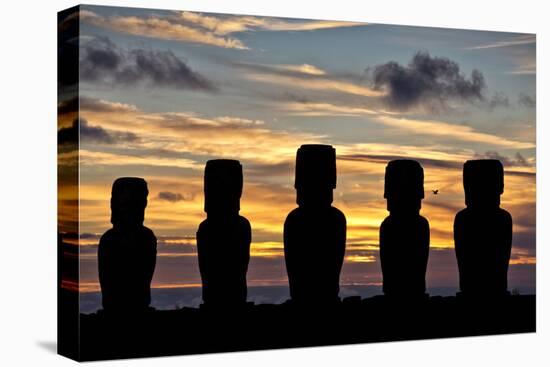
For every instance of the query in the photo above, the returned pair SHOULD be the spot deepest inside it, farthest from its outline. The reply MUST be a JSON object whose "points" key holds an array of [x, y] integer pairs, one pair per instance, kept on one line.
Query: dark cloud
{"points": [[68, 106], [91, 134], [175, 196], [526, 100], [517, 161], [68, 135], [428, 82], [499, 100], [95, 134], [295, 97], [103, 61]]}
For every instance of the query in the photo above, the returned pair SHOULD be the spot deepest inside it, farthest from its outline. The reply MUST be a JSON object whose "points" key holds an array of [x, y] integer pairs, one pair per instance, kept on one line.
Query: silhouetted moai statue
{"points": [[223, 238], [483, 231], [315, 232], [127, 252], [404, 234]]}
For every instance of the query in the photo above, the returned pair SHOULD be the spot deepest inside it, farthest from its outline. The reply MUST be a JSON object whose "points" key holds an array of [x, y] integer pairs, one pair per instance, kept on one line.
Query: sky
{"points": [[161, 92]]}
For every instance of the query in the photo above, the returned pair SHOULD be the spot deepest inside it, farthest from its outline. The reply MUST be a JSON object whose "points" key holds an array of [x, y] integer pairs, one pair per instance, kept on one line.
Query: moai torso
{"points": [[315, 232], [224, 251], [126, 262], [127, 252], [315, 243], [223, 239], [483, 231], [404, 234], [404, 250]]}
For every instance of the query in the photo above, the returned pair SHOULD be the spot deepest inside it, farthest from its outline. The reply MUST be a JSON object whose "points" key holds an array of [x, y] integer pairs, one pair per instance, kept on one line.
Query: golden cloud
{"points": [[204, 29]]}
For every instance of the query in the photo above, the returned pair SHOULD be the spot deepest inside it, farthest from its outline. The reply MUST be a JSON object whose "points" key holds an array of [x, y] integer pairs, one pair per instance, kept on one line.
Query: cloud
{"points": [[92, 134], [426, 82], [96, 134], [441, 129], [223, 25], [526, 100], [94, 158], [451, 131], [99, 105], [384, 158], [517, 161], [211, 30], [303, 68], [68, 135], [68, 106], [304, 76], [103, 61], [324, 109], [175, 134], [174, 197], [162, 28], [524, 60], [519, 40], [499, 100]]}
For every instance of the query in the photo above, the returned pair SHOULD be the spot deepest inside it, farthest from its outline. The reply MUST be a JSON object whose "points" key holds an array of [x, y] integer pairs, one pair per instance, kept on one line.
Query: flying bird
{"points": [[435, 192]]}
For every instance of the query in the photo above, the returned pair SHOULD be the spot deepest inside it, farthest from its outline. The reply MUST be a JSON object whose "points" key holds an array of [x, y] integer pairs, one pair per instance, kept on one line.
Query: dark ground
{"points": [[354, 320]]}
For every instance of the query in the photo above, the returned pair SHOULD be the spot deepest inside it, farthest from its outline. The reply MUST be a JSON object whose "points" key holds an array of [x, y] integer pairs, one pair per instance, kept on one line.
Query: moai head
{"points": [[223, 186], [404, 186], [315, 175], [483, 183], [128, 201]]}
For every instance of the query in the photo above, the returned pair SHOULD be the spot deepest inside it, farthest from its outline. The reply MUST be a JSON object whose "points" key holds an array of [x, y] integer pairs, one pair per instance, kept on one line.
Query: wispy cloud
{"points": [[306, 77], [224, 25], [520, 49], [514, 41], [408, 126], [212, 30], [161, 28], [526, 66], [324, 109], [182, 133], [451, 131], [320, 83], [302, 68], [92, 158]]}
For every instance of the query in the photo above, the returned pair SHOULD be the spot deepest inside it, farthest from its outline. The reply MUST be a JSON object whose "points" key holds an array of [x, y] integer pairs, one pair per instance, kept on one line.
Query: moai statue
{"points": [[127, 252], [223, 238], [483, 231], [315, 232], [404, 234]]}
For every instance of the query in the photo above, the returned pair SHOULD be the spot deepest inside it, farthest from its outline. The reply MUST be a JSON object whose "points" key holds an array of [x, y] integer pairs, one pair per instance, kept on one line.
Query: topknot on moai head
{"points": [[483, 181], [315, 167], [223, 185], [128, 200], [404, 179]]}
